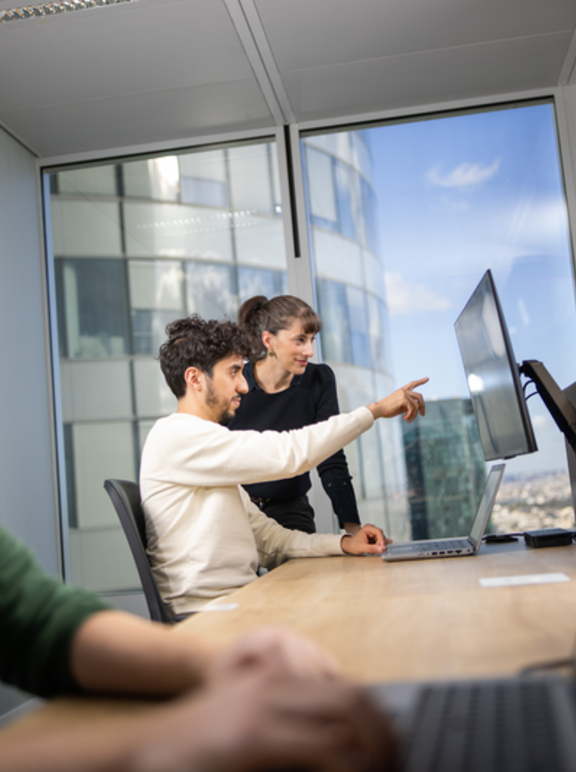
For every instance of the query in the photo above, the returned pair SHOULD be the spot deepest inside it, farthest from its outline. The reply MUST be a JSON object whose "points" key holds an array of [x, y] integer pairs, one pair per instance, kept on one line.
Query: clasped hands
{"points": [[274, 700]]}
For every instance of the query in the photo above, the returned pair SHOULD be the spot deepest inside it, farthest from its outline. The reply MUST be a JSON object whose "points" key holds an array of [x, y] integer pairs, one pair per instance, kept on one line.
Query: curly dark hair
{"points": [[194, 342]]}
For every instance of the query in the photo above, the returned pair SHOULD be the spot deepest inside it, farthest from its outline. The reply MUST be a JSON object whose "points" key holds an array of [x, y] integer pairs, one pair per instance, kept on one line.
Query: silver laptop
{"points": [[442, 548]]}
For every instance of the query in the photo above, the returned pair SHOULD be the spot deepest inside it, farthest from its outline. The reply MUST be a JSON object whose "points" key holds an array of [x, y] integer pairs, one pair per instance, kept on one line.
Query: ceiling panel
{"points": [[159, 70], [420, 79], [313, 33], [141, 118], [106, 52]]}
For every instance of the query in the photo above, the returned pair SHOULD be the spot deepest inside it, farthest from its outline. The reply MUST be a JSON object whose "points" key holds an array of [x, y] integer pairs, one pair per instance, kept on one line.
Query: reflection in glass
{"points": [[148, 330], [257, 281], [346, 195], [92, 307], [137, 245], [333, 309], [198, 191], [211, 290], [356, 301]]}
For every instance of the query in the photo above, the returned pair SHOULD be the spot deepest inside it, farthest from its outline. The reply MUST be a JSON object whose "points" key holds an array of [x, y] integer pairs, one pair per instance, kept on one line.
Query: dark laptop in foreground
{"points": [[442, 548], [521, 724]]}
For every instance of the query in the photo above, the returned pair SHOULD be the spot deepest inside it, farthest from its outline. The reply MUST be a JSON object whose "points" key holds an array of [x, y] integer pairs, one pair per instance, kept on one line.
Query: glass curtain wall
{"points": [[136, 245], [404, 218], [350, 291]]}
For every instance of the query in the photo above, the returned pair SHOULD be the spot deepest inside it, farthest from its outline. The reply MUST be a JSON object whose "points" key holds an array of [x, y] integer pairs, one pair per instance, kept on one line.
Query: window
{"points": [[404, 219], [137, 245]]}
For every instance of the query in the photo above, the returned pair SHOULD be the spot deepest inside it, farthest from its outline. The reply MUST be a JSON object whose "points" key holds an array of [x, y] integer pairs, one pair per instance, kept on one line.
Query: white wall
{"points": [[27, 501]]}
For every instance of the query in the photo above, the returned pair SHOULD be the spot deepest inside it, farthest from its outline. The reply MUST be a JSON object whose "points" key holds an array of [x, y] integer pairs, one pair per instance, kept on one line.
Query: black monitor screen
{"points": [[492, 374]]}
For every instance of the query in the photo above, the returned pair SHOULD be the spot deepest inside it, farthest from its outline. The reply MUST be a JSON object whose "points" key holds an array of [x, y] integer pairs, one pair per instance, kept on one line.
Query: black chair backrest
{"points": [[125, 496]]}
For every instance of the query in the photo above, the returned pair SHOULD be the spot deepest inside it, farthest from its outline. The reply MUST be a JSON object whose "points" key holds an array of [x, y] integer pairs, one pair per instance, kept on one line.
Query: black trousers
{"points": [[295, 514]]}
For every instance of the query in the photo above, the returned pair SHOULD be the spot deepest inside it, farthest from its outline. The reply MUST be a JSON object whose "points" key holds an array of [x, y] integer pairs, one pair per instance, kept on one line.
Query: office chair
{"points": [[125, 496]]}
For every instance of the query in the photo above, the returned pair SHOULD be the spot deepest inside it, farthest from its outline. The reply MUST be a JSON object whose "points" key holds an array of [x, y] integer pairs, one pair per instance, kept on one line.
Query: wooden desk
{"points": [[385, 621], [413, 620]]}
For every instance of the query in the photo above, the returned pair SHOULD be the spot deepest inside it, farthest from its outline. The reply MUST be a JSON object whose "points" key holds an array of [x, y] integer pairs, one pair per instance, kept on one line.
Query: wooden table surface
{"points": [[385, 621], [413, 620]]}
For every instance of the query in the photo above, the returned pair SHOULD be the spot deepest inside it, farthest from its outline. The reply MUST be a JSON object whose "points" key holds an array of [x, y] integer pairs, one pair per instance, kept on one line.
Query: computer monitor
{"points": [[493, 376]]}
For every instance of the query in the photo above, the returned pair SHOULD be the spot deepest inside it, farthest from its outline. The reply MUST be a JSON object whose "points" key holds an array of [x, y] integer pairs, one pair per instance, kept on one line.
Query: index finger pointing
{"points": [[412, 385]]}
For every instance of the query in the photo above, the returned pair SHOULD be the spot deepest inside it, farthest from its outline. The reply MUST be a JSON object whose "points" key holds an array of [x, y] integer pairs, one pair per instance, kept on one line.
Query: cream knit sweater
{"points": [[205, 537]]}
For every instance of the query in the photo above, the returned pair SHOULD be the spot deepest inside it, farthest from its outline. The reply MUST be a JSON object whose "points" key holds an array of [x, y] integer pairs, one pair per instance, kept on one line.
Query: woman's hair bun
{"points": [[248, 310]]}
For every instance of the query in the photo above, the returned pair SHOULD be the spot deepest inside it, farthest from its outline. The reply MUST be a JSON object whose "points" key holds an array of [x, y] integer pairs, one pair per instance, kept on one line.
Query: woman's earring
{"points": [[271, 353]]}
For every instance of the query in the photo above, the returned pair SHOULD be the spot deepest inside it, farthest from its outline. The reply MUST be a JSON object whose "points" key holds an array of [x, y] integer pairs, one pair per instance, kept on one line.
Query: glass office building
{"points": [[351, 298], [137, 244], [445, 468]]}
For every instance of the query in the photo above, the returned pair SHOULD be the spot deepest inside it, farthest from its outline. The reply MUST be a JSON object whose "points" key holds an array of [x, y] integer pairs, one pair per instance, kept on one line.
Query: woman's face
{"points": [[292, 347]]}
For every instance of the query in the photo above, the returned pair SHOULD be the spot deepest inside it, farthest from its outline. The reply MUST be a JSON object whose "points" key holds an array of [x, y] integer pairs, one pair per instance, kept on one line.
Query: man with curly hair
{"points": [[205, 537]]}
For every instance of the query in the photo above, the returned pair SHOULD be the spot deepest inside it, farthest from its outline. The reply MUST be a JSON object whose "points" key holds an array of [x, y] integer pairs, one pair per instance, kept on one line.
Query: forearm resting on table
{"points": [[116, 652], [249, 723]]}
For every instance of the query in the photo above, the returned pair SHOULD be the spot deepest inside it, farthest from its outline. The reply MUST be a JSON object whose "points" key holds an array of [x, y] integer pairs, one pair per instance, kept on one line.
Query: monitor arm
{"points": [[560, 407]]}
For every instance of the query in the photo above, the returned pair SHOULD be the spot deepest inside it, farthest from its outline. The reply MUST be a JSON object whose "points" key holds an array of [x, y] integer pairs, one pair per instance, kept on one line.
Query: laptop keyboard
{"points": [[438, 546], [505, 727], [453, 544]]}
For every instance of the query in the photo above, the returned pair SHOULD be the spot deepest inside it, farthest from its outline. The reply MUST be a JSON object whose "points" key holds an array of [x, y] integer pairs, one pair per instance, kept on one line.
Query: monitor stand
{"points": [[561, 408], [570, 392]]}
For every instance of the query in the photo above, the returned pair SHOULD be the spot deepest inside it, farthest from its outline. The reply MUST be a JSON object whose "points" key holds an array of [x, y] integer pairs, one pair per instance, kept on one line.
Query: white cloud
{"points": [[542, 422], [463, 175], [411, 297]]}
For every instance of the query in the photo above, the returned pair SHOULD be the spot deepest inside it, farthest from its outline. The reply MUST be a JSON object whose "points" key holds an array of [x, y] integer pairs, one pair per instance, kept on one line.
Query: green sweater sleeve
{"points": [[39, 616]]}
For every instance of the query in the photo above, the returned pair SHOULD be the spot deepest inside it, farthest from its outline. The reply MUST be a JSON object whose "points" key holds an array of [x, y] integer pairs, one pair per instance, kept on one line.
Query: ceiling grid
{"points": [[156, 71]]}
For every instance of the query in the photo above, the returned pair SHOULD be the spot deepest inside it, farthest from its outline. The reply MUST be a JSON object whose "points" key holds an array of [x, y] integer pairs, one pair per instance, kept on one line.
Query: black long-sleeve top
{"points": [[310, 398]]}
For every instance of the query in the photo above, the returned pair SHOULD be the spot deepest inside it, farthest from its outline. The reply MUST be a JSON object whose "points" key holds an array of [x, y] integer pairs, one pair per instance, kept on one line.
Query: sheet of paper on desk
{"points": [[512, 581]]}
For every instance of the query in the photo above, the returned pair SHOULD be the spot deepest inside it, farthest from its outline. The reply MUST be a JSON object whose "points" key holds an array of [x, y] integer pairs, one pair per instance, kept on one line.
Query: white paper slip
{"points": [[513, 581], [222, 607]]}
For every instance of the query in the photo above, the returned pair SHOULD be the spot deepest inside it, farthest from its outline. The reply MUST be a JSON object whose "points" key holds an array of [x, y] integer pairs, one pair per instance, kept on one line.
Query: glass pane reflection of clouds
{"points": [[211, 290], [255, 281], [156, 284]]}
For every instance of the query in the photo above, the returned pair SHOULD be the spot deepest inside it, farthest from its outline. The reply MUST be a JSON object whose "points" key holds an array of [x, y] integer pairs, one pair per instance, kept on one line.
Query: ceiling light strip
{"points": [[49, 9]]}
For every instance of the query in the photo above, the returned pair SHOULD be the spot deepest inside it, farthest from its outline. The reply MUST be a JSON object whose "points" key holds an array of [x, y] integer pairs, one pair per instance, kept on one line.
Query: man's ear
{"points": [[194, 378]]}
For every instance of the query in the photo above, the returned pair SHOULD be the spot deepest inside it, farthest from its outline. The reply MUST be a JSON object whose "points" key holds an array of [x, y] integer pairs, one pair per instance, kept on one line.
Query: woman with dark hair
{"points": [[286, 391]]}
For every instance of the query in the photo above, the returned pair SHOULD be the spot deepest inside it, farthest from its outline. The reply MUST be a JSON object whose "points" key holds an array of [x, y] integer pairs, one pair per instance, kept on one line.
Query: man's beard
{"points": [[222, 408]]}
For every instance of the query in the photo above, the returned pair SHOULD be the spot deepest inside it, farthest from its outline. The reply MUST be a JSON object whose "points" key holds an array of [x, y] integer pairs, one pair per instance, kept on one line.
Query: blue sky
{"points": [[459, 195]]}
